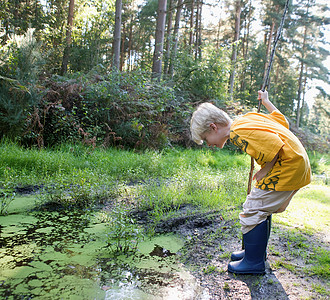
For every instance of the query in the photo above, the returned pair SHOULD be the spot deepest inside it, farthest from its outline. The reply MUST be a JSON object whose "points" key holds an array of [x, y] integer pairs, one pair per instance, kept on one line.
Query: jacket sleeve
{"points": [[277, 116]]}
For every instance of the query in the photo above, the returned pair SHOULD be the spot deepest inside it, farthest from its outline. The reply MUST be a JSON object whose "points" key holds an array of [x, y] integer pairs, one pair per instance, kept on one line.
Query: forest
{"points": [[103, 195], [130, 74]]}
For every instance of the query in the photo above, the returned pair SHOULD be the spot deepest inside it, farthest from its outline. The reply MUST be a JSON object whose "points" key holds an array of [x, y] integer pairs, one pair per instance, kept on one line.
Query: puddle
{"points": [[63, 255]]}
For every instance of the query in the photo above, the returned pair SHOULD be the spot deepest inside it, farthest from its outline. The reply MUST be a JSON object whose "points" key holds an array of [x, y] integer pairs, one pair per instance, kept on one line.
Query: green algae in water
{"points": [[43, 256], [63, 255], [21, 204]]}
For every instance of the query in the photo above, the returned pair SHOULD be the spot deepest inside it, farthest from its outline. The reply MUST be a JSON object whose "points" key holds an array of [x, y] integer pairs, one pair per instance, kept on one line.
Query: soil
{"points": [[209, 241]]}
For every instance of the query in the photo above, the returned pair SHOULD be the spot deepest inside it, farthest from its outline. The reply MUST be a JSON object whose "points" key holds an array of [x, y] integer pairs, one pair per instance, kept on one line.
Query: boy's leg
{"points": [[238, 255], [255, 242], [286, 203], [260, 204], [258, 207]]}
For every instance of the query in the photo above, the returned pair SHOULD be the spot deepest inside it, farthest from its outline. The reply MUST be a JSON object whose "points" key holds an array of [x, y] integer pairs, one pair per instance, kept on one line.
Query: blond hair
{"points": [[205, 114]]}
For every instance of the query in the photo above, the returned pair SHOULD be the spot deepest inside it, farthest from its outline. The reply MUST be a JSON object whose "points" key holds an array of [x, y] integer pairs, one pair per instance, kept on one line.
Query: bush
{"points": [[206, 79], [20, 62], [109, 109]]}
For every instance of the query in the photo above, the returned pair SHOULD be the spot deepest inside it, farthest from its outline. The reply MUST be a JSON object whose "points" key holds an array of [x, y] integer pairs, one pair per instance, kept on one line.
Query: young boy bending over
{"points": [[285, 168]]}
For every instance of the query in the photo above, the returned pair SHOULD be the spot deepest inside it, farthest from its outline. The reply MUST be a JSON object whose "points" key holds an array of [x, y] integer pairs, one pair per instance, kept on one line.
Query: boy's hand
{"points": [[263, 96], [266, 168], [260, 174]]}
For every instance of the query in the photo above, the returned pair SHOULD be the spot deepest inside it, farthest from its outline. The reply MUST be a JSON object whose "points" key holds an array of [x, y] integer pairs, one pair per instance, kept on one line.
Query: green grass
{"points": [[309, 210], [167, 178], [33, 166], [308, 213]]}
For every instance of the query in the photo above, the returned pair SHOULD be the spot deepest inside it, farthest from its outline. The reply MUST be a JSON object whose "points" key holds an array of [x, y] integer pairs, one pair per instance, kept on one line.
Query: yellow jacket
{"points": [[262, 136]]}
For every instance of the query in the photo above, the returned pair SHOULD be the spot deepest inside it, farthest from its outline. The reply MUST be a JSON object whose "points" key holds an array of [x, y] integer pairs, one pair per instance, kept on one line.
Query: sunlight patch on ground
{"points": [[309, 210]]}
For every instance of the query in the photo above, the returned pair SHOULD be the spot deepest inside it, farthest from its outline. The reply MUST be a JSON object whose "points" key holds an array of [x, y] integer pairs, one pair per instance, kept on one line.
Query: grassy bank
{"points": [[190, 176]]}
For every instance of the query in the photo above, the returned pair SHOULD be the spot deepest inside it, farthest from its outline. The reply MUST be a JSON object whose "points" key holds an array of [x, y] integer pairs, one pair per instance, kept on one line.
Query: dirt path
{"points": [[211, 239]]}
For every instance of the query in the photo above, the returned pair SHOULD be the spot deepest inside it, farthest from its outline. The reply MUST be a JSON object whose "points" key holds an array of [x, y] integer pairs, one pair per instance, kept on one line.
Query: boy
{"points": [[285, 168]]}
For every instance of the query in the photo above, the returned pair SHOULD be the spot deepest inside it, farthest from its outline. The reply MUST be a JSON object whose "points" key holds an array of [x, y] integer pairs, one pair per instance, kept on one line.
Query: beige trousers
{"points": [[260, 204]]}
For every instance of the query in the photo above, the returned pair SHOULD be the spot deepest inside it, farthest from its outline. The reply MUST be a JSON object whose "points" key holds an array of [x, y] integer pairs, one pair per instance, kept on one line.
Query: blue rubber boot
{"points": [[255, 242], [238, 255]]}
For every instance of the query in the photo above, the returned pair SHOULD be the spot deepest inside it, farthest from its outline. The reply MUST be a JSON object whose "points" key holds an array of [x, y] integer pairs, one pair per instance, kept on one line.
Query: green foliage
{"points": [[206, 79], [319, 120], [33, 166], [7, 193], [210, 269], [108, 108], [320, 163], [254, 73], [123, 234], [21, 57], [20, 62], [321, 263]]}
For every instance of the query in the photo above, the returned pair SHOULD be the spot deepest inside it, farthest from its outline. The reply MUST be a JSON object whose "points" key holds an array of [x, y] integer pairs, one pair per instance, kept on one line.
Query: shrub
{"points": [[20, 62], [109, 109], [206, 79]]}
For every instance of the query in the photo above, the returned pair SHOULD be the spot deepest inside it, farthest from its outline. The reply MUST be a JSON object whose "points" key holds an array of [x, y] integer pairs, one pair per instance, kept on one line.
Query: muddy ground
{"points": [[209, 241]]}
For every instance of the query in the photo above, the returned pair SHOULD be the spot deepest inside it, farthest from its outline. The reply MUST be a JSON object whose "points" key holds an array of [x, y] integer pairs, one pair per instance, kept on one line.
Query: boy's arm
{"points": [[263, 96], [267, 167]]}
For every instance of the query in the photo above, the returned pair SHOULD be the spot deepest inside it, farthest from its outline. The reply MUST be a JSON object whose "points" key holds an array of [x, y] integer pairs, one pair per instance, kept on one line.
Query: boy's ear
{"points": [[213, 126]]}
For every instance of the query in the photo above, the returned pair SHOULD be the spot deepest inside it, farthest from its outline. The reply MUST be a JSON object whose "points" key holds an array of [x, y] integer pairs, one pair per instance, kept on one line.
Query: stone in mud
{"points": [[161, 252]]}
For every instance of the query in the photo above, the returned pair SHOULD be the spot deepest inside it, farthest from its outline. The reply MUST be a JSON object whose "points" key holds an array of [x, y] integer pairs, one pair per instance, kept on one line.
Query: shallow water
{"points": [[63, 255]]}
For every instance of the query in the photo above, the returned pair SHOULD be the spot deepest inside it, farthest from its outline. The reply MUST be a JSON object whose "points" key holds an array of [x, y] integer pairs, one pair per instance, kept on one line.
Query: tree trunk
{"points": [[300, 82], [159, 40], [176, 37], [116, 36], [234, 53], [269, 44], [66, 53], [122, 48], [168, 37], [130, 40], [246, 45], [191, 33], [199, 41], [304, 94], [198, 3]]}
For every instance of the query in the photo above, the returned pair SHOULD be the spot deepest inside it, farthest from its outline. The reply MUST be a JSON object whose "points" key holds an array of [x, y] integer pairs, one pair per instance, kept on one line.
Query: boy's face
{"points": [[217, 135]]}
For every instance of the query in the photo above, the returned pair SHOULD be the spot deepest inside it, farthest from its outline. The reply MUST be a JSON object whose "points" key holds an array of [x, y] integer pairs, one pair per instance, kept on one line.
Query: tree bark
{"points": [[300, 82], [176, 37], [130, 40], [117, 36], [122, 48], [191, 33], [199, 41], [66, 54], [246, 44], [168, 37], [304, 94], [159, 40], [234, 53], [269, 44], [198, 3]]}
